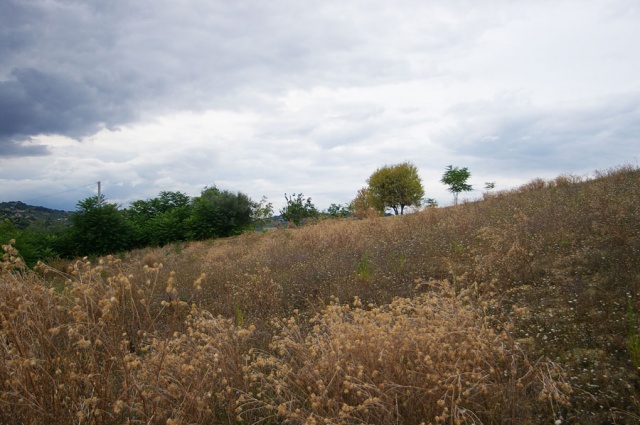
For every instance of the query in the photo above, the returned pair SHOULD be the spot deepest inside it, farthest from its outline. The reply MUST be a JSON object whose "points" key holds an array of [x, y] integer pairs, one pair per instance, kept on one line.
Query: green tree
{"points": [[25, 247], [34, 242], [217, 213], [261, 213], [396, 187], [97, 228], [298, 209], [431, 203], [160, 220], [456, 178], [338, 211]]}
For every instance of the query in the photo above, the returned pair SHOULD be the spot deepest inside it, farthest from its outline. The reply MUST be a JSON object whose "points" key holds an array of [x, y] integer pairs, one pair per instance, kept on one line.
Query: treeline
{"points": [[98, 227]]}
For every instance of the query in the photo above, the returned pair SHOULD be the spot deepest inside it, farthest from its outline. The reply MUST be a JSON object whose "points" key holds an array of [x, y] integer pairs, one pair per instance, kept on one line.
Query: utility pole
{"points": [[99, 195]]}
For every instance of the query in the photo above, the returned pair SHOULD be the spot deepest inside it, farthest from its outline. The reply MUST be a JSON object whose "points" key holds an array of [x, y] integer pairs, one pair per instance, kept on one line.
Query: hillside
{"points": [[520, 308], [23, 215]]}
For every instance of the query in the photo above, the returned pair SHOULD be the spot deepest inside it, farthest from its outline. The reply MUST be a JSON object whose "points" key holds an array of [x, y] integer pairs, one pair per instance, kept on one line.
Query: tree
{"points": [[160, 220], [217, 213], [97, 228], [23, 241], [298, 209], [365, 206], [261, 213], [431, 203], [338, 211], [456, 178], [396, 187]]}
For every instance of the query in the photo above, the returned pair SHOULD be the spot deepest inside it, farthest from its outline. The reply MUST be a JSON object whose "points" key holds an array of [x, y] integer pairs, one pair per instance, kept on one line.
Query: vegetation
{"points": [[515, 309], [395, 187], [338, 211], [365, 205], [33, 243], [262, 213], [97, 228], [161, 220], [23, 215], [100, 228], [298, 209], [220, 214], [456, 178]]}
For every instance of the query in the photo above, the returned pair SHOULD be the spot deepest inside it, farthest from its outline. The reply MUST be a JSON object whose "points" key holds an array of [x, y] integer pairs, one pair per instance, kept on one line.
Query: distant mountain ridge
{"points": [[23, 215]]}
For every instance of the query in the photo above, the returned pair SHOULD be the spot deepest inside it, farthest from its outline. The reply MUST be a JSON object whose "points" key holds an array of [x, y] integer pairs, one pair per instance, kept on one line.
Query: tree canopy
{"points": [[220, 213], [364, 205], [97, 228], [396, 187], [456, 178], [298, 209], [160, 220]]}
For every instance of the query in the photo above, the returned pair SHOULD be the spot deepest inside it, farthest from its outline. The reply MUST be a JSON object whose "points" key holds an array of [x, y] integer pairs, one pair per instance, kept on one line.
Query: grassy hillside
{"points": [[520, 308]]}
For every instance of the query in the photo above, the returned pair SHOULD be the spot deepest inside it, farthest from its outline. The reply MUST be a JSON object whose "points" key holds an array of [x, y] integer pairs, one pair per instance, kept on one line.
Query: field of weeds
{"points": [[520, 309]]}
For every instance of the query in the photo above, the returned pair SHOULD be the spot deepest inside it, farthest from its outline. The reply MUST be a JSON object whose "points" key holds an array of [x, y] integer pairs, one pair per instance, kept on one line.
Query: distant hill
{"points": [[23, 215]]}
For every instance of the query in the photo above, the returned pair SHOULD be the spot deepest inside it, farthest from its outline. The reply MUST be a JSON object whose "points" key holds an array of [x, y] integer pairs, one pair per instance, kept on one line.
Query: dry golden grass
{"points": [[478, 309], [431, 358]]}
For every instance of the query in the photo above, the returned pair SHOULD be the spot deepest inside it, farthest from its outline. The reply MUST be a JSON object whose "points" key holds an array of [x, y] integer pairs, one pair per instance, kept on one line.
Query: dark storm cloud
{"points": [[35, 102]]}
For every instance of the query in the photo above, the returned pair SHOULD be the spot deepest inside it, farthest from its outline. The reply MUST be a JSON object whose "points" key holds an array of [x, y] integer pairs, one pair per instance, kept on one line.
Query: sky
{"points": [[284, 96]]}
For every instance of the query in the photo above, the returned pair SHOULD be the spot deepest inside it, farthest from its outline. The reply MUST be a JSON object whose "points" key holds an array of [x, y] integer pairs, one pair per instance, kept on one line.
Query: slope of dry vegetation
{"points": [[515, 309]]}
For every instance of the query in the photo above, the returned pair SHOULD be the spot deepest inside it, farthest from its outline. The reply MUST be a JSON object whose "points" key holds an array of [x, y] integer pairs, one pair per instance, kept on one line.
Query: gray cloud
{"points": [[21, 147], [71, 67], [268, 97], [34, 102], [568, 136]]}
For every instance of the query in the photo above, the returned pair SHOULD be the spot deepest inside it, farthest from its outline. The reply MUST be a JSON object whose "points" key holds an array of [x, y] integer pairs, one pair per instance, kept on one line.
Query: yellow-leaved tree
{"points": [[396, 187]]}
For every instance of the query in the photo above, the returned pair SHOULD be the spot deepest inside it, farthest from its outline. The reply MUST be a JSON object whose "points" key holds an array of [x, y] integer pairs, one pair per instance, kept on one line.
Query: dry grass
{"points": [[431, 358], [476, 309]]}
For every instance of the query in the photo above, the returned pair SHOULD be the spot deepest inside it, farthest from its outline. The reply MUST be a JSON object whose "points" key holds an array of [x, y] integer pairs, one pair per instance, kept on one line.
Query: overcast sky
{"points": [[284, 96]]}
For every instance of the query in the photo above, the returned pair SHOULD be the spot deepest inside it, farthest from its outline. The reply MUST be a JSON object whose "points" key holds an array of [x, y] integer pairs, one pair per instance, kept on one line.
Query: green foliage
{"points": [[396, 187], [217, 213], [35, 236], [431, 203], [7, 231], [261, 213], [101, 228], [166, 201], [97, 228], [298, 209], [161, 220], [23, 216], [29, 244], [338, 211], [456, 178], [364, 269]]}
